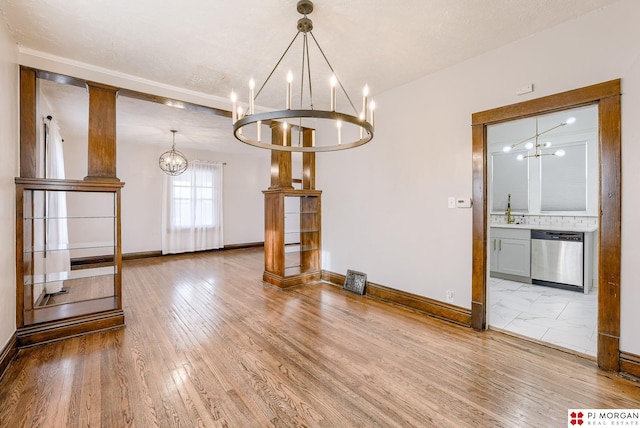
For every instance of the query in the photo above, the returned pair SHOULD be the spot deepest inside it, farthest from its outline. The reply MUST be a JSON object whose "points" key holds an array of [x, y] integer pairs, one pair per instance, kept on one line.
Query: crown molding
{"points": [[53, 63]]}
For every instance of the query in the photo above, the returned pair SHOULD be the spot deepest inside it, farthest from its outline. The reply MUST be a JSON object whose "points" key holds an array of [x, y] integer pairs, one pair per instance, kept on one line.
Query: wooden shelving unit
{"points": [[292, 237], [54, 301], [89, 299]]}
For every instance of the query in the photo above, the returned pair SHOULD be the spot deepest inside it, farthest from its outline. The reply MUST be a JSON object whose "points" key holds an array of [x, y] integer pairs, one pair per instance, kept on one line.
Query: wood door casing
{"points": [[607, 96]]}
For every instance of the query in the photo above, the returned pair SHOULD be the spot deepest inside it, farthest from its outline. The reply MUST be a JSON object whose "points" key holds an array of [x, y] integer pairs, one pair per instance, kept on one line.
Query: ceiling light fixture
{"points": [[361, 131], [172, 162], [539, 146]]}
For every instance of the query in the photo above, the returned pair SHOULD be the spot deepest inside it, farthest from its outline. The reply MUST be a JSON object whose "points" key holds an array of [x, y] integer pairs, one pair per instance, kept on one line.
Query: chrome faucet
{"points": [[509, 218]]}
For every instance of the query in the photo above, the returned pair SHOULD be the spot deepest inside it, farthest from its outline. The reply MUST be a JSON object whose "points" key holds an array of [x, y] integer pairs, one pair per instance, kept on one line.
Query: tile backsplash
{"points": [[551, 220]]}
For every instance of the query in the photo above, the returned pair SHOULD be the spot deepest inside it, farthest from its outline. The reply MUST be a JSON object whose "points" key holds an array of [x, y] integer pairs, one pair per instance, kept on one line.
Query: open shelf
{"points": [[52, 296], [292, 248]]}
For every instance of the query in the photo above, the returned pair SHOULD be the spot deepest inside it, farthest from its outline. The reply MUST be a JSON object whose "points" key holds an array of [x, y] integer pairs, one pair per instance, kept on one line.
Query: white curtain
{"points": [[192, 209], [53, 264]]}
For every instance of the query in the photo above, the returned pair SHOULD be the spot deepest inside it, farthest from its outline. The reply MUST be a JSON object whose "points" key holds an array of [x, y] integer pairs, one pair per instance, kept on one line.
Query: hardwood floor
{"points": [[207, 344]]}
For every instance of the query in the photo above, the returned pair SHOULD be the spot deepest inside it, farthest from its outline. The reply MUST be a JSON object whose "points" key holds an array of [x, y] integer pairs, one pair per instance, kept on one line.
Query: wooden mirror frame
{"points": [[607, 97]]}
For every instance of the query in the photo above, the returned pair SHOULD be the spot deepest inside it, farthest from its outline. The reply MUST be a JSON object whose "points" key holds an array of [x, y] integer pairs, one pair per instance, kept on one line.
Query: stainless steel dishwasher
{"points": [[557, 259]]}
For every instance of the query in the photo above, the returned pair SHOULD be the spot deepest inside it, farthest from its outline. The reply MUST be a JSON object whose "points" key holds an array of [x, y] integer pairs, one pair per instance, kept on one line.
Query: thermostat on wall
{"points": [[463, 202]]}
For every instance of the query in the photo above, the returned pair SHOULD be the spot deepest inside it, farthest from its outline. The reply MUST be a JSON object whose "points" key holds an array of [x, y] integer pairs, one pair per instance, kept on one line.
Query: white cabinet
{"points": [[510, 253]]}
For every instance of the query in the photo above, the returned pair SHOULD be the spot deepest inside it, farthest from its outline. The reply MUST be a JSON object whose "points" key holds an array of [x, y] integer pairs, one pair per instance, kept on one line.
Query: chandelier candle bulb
{"points": [[365, 95], [252, 87], [259, 130], [234, 107], [240, 114], [333, 82], [289, 88], [339, 126], [372, 108]]}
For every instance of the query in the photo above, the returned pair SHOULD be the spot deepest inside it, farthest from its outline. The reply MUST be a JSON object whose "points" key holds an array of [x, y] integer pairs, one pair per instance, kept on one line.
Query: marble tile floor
{"points": [[560, 317]]}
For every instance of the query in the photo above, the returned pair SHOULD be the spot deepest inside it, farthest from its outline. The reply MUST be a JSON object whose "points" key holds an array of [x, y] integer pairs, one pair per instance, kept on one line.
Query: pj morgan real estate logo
{"points": [[603, 418]]}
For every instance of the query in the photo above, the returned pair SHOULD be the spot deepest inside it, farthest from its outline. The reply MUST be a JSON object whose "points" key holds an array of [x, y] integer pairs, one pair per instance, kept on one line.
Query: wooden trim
{"points": [[557, 102], [20, 268], [434, 308], [117, 286], [170, 102], [8, 353], [129, 93], [610, 226], [64, 329], [97, 261], [479, 227], [607, 96], [291, 280], [28, 134], [281, 177], [63, 79], [243, 246], [630, 364], [102, 132], [308, 160], [68, 185]]}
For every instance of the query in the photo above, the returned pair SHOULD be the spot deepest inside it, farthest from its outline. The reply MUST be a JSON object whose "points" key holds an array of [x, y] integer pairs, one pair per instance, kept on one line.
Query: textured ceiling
{"points": [[214, 46]]}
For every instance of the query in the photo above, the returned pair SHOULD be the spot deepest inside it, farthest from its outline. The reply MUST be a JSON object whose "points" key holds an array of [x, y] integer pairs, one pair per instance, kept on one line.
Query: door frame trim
{"points": [[607, 96]]}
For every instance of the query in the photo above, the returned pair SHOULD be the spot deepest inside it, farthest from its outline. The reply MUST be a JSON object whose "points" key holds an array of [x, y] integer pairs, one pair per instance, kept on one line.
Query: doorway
{"points": [[543, 179], [607, 97]]}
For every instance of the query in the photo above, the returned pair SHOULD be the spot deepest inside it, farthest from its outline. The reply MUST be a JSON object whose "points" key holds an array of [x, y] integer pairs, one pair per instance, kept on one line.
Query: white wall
{"points": [[385, 204], [9, 137]]}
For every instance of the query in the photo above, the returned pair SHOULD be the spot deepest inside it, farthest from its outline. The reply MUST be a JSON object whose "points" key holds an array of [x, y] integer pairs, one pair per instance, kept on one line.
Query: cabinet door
{"points": [[515, 257]]}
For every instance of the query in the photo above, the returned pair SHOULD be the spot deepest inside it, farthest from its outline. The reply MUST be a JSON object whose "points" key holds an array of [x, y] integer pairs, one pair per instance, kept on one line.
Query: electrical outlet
{"points": [[449, 296]]}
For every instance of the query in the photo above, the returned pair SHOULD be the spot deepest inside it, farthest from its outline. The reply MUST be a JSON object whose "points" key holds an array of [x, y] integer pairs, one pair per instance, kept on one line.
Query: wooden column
{"points": [[479, 226], [102, 132], [274, 233], [280, 160], [28, 103], [308, 160], [610, 234]]}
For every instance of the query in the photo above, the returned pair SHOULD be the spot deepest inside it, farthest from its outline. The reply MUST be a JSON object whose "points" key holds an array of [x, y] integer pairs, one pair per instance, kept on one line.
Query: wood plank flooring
{"points": [[207, 344]]}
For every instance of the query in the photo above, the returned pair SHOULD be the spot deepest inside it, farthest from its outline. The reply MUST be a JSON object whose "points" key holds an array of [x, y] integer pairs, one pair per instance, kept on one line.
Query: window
{"points": [[564, 180], [192, 215]]}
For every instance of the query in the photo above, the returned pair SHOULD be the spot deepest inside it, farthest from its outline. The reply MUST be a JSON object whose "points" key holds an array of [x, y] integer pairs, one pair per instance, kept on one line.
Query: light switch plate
{"points": [[451, 202]]}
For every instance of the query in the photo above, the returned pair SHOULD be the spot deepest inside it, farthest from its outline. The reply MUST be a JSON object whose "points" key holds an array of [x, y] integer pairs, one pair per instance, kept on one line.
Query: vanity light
{"points": [[539, 146]]}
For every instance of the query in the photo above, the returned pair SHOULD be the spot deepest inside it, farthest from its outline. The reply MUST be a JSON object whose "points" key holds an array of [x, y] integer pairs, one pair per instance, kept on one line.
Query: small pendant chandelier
{"points": [[307, 116], [172, 162], [537, 145]]}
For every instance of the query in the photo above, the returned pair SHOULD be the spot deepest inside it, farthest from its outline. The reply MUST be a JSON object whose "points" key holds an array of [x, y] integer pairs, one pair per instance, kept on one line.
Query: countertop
{"points": [[586, 229]]}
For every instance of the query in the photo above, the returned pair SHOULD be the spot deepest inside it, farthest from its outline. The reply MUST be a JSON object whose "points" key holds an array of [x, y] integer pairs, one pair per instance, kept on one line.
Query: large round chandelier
{"points": [[172, 162], [349, 130]]}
